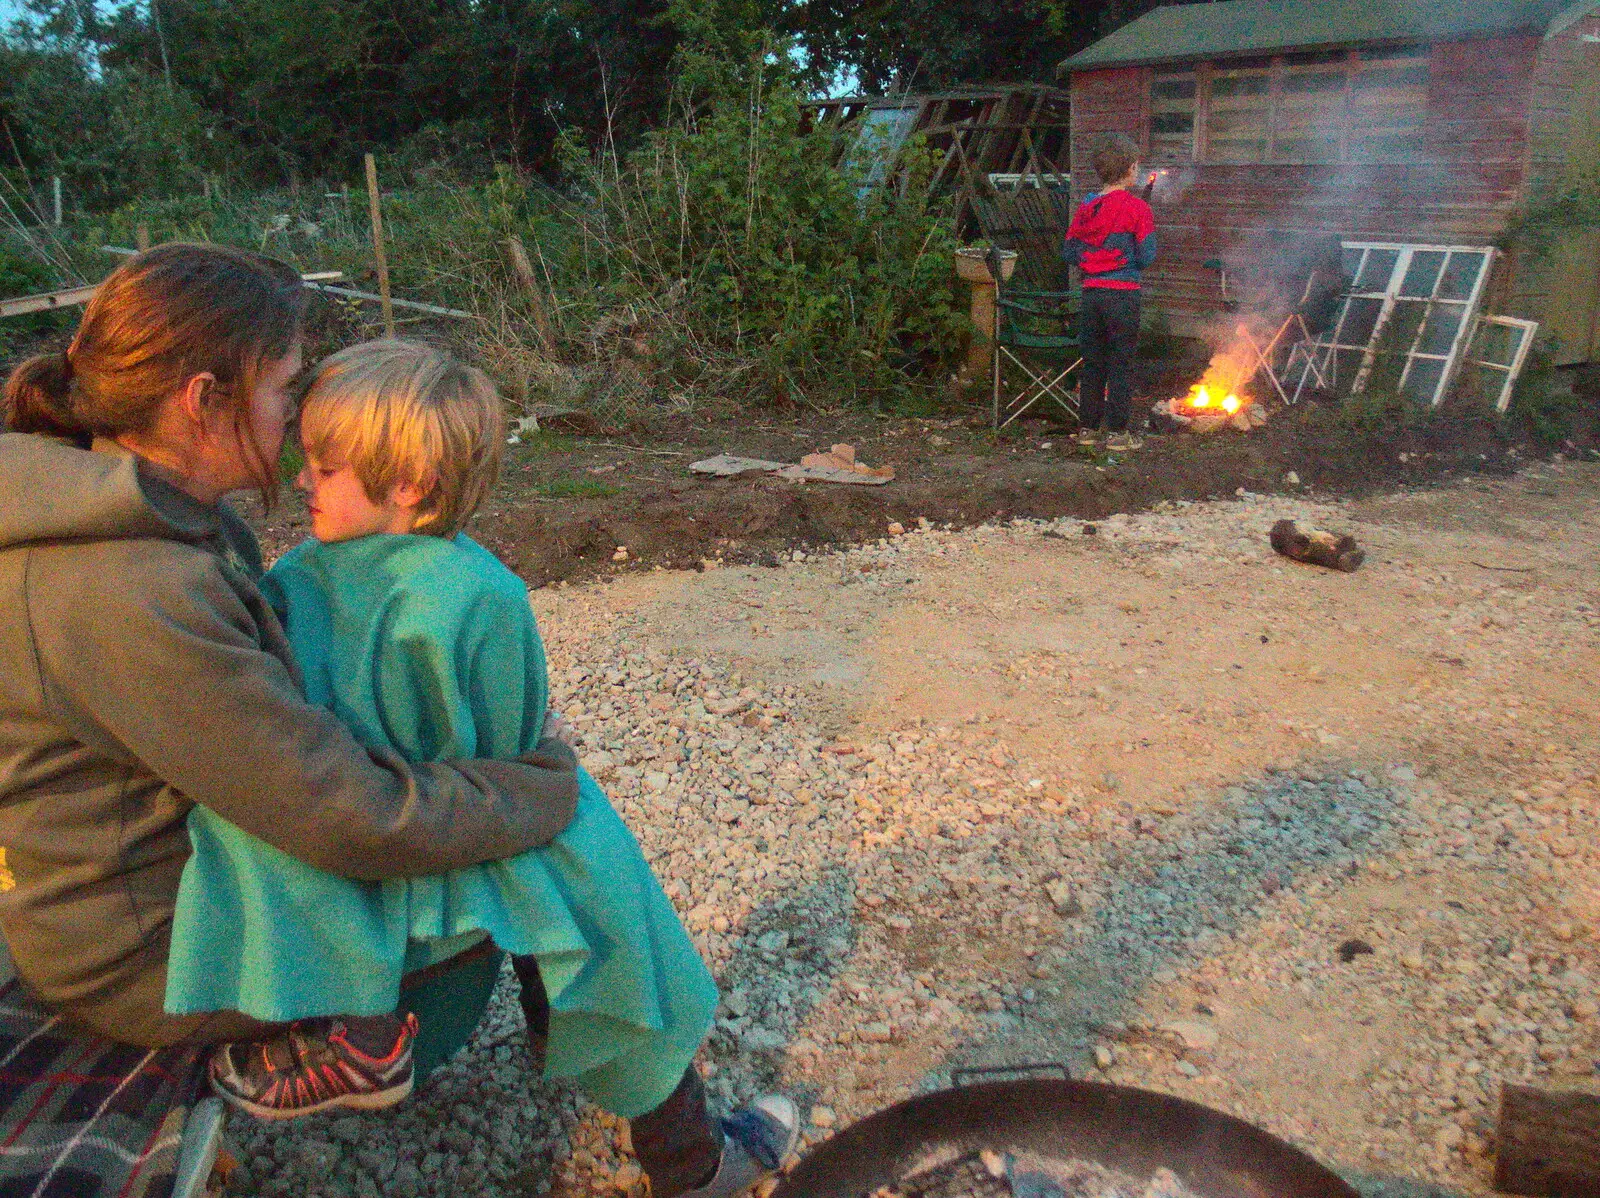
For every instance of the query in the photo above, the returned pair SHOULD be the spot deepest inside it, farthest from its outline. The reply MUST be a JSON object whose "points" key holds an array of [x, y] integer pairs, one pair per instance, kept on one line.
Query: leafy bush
{"points": [[26, 274]]}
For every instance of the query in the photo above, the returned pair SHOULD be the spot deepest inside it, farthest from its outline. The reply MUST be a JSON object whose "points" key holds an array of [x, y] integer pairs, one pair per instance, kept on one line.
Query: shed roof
{"points": [[1183, 31]]}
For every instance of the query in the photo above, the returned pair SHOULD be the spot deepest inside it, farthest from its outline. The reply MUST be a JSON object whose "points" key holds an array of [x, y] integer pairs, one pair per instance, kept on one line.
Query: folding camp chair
{"points": [[1311, 316], [1034, 331]]}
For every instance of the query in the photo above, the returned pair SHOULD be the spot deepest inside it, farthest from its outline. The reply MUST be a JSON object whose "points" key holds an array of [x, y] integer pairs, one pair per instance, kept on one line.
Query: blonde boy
{"points": [[425, 646]]}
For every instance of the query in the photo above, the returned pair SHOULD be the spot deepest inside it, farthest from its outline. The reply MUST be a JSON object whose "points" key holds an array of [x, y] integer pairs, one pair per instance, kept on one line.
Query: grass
{"points": [[539, 441], [575, 488]]}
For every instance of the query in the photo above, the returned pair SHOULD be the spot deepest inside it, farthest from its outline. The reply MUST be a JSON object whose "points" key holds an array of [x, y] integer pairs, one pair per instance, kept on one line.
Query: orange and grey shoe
{"points": [[315, 1066]]}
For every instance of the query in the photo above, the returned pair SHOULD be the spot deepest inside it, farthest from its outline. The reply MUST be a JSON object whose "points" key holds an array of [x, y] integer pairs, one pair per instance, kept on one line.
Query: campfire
{"points": [[1209, 407]]}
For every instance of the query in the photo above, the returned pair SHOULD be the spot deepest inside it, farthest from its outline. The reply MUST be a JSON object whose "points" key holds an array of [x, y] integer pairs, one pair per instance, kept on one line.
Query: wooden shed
{"points": [[1415, 121]]}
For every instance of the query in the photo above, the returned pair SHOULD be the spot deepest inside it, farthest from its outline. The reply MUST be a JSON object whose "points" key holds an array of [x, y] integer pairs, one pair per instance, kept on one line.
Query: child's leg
{"points": [[535, 1007], [1092, 344], [688, 1154], [1121, 317], [679, 1144]]}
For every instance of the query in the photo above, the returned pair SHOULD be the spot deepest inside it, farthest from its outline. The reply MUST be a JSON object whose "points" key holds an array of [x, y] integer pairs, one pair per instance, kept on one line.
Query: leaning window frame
{"points": [[1390, 297], [1513, 369]]}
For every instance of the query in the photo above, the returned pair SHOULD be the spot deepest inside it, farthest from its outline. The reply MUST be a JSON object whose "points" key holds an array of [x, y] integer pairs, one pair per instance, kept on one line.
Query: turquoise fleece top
{"points": [[428, 648]]}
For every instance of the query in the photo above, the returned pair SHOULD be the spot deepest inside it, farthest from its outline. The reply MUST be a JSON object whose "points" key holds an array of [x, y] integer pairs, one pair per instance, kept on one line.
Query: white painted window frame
{"points": [[1513, 369], [1390, 298]]}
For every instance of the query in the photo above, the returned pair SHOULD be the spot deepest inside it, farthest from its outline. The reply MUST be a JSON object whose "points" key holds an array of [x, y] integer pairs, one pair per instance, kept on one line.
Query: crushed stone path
{"points": [[1316, 849]]}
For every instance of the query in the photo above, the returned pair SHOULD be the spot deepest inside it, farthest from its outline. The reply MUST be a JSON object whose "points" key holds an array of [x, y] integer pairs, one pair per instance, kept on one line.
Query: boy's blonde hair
{"points": [[403, 412]]}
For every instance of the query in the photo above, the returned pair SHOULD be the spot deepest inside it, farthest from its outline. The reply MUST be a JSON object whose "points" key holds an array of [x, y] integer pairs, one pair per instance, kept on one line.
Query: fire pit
{"points": [[1209, 408], [1018, 1139]]}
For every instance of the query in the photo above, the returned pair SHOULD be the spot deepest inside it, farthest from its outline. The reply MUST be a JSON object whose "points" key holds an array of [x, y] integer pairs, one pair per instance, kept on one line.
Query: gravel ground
{"points": [[1341, 899]]}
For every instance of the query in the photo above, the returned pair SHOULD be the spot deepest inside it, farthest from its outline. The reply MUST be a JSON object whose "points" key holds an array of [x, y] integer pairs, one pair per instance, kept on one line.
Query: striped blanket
{"points": [[83, 1117]]}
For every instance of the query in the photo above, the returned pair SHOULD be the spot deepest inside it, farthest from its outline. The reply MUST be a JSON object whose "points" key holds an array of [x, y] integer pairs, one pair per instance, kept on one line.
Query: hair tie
{"points": [[66, 365]]}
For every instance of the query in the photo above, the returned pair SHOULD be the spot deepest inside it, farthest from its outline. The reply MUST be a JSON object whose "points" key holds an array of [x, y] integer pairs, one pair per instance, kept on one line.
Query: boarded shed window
{"points": [[1174, 98], [1322, 107], [1308, 121], [1239, 116], [1388, 104]]}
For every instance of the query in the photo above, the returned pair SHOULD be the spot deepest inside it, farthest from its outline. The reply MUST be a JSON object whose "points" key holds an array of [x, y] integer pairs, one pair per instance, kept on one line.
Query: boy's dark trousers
{"points": [[1108, 337], [679, 1144]]}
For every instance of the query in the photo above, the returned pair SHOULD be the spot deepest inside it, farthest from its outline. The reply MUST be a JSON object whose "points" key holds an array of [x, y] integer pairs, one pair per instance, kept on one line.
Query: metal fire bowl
{"points": [[1135, 1131]]}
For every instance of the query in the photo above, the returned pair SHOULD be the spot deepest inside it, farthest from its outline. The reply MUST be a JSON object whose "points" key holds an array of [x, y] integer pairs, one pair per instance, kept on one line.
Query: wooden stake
{"points": [[141, 237], [1547, 1143], [523, 269], [55, 195], [377, 245]]}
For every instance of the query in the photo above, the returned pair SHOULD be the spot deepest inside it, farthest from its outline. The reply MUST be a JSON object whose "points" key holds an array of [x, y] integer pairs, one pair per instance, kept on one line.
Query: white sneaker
{"points": [[759, 1138]]}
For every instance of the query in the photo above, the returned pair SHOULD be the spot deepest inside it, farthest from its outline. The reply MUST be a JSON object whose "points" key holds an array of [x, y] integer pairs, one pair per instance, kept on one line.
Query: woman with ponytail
{"points": [[142, 672]]}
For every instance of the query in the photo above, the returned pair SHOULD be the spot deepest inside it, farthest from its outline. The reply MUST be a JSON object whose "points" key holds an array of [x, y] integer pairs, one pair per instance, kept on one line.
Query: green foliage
{"points": [[1543, 403], [575, 488], [108, 137], [1379, 413], [751, 261], [24, 273], [1554, 212], [928, 45]]}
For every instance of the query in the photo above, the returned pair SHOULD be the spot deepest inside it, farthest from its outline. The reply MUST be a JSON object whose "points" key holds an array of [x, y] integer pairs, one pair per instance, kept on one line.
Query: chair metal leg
{"points": [[1038, 388], [197, 1152]]}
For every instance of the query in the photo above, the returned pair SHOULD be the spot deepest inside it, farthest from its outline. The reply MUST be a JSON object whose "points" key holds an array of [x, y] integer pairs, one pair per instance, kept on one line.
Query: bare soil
{"points": [[566, 502]]}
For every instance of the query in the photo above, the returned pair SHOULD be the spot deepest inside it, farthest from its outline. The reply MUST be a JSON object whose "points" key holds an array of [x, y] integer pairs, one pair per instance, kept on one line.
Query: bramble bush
{"points": [[731, 256]]}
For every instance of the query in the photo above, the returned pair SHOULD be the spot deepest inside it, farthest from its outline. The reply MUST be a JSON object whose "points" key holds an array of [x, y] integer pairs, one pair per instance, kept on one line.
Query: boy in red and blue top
{"points": [[1111, 240]]}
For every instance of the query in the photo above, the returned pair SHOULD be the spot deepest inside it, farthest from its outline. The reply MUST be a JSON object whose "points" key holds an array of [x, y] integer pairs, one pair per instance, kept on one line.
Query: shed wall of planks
{"points": [[1488, 113]]}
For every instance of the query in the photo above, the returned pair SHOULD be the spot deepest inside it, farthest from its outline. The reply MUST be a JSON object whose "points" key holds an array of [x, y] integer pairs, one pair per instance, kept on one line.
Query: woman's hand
{"points": [[558, 726]]}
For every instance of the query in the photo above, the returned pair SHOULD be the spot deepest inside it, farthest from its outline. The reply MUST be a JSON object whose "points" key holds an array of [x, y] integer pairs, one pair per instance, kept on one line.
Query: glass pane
{"points": [[1172, 122], [1172, 149], [1423, 272], [1497, 344], [1460, 276], [1351, 261], [1229, 86], [1394, 343], [1444, 322], [1407, 77], [1315, 56], [1173, 89], [1313, 82], [1380, 266], [1423, 380], [1238, 149], [1238, 122], [1346, 365], [1306, 149], [1360, 319], [1400, 145]]}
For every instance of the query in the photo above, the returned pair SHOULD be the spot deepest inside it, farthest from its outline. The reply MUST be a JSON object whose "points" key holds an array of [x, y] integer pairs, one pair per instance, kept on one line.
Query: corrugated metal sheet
{"points": [[1185, 31]]}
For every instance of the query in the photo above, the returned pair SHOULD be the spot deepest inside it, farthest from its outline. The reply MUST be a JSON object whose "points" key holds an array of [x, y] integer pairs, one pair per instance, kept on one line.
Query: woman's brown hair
{"points": [[159, 319]]}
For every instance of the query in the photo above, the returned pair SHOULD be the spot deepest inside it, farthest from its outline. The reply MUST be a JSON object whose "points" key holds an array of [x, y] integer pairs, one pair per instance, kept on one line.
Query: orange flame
{"points": [[1201, 396]]}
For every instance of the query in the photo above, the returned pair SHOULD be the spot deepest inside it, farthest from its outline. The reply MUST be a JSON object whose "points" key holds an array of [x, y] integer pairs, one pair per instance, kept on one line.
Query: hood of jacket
{"points": [[51, 490], [1100, 216]]}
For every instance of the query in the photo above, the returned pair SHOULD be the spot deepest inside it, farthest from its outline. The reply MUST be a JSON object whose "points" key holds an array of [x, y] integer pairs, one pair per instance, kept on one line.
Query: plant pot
{"points": [[973, 266]]}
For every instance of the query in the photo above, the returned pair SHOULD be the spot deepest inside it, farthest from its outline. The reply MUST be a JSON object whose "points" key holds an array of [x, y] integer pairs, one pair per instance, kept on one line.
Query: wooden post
{"points": [[141, 237], [55, 196], [377, 245], [1547, 1143], [983, 310], [523, 269]]}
